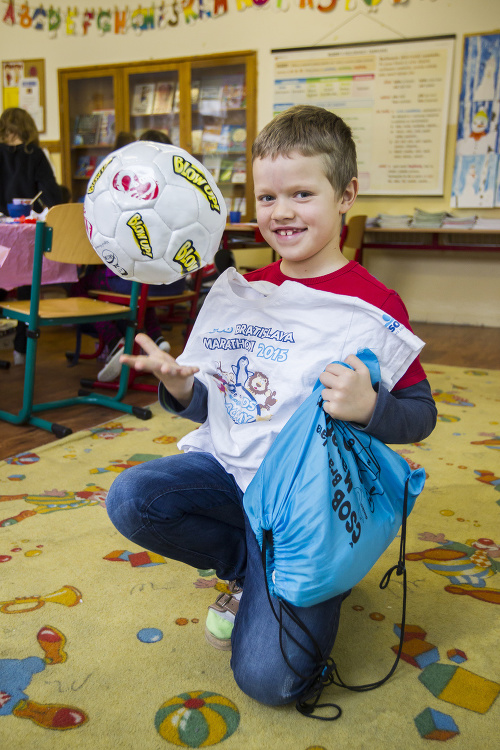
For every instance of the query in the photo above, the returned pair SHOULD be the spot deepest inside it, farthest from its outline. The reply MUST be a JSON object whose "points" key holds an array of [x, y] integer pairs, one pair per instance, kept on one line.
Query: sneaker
{"points": [[19, 359], [113, 366], [220, 617], [162, 344]]}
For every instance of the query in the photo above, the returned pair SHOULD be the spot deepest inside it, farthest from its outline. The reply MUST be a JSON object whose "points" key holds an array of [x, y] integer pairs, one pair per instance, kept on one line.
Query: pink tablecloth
{"points": [[17, 245]]}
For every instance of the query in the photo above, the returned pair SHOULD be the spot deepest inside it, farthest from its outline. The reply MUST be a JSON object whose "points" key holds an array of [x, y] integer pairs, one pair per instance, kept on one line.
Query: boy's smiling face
{"points": [[299, 213]]}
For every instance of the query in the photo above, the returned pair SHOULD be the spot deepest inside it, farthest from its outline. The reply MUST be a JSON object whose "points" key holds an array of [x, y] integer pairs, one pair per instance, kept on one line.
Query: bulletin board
{"points": [[476, 177], [395, 97], [23, 85]]}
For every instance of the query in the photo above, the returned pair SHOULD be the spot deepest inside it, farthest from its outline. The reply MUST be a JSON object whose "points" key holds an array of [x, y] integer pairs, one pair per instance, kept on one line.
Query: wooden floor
{"points": [[465, 346]]}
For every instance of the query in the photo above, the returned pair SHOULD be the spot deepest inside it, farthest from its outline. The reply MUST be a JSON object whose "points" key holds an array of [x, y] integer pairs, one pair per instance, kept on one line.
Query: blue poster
{"points": [[476, 174]]}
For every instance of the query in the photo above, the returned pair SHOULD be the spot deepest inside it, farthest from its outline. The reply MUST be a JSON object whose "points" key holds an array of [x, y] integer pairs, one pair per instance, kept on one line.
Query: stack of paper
{"points": [[426, 220], [487, 224], [458, 222], [386, 221]]}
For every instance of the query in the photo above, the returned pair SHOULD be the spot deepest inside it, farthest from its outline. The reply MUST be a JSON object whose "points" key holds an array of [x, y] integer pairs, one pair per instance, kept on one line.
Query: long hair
{"points": [[16, 122]]}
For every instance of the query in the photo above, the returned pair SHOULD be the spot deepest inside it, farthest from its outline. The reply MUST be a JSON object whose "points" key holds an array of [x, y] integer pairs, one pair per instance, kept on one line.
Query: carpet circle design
{"points": [[150, 635], [197, 719]]}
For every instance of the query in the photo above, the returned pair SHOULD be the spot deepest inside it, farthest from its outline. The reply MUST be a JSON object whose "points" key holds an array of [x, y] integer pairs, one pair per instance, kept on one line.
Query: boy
{"points": [[257, 349]]}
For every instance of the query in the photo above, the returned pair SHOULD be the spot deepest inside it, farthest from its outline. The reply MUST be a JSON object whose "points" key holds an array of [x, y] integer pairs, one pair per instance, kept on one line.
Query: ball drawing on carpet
{"points": [[199, 718], [153, 213]]}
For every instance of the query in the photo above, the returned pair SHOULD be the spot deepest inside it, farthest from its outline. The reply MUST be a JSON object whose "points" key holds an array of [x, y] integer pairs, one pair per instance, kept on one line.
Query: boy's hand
{"points": [[348, 394], [177, 379]]}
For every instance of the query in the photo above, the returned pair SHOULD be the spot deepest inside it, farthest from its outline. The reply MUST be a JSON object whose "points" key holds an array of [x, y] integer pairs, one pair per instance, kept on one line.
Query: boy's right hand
{"points": [[177, 379]]}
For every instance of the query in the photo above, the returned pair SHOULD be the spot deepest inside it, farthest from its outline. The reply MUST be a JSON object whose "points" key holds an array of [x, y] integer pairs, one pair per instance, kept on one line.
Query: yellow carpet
{"points": [[98, 635]]}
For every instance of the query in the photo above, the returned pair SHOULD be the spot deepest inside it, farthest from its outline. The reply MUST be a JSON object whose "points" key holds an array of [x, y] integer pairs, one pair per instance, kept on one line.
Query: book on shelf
{"points": [[164, 98], [234, 95], [106, 126], [87, 130], [196, 138], [239, 174], [213, 164], [143, 99], [226, 170], [195, 92], [86, 165], [210, 99], [233, 139], [210, 139]]}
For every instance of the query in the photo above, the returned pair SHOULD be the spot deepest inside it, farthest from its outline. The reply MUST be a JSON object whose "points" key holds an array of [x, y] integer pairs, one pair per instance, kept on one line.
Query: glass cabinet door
{"points": [[91, 109], [219, 127], [154, 102]]}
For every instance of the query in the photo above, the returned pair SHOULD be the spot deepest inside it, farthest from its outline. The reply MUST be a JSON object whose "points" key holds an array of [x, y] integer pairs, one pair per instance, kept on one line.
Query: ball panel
{"points": [[154, 272], [143, 235], [177, 206], [106, 214], [110, 252]]}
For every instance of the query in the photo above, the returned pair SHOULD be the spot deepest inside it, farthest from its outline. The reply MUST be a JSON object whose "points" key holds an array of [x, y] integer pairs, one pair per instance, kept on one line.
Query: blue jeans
{"points": [[188, 508]]}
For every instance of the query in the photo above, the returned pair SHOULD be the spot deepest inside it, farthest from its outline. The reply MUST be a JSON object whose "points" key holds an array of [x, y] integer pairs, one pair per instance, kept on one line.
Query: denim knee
{"points": [[121, 501], [265, 683]]}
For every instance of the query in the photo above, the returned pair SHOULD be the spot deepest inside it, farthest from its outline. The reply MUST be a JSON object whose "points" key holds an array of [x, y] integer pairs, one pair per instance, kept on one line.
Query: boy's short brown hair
{"points": [[311, 131]]}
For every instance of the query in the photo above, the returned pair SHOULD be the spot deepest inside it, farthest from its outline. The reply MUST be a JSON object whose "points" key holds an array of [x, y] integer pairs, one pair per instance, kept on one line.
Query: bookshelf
{"points": [[206, 104]]}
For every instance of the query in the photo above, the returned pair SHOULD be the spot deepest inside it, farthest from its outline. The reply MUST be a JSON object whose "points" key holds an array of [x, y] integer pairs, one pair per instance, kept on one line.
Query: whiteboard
{"points": [[395, 97]]}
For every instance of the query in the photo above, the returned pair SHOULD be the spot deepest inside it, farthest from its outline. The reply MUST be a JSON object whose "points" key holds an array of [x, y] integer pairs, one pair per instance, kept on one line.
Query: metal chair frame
{"points": [[63, 235]]}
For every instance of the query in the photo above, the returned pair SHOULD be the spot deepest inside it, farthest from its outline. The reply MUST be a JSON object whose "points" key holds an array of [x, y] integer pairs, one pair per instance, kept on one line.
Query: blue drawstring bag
{"points": [[326, 502]]}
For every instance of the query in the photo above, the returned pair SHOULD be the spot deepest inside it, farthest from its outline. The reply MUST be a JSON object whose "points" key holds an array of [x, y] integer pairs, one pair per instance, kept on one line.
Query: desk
{"points": [[17, 245], [415, 238], [246, 234]]}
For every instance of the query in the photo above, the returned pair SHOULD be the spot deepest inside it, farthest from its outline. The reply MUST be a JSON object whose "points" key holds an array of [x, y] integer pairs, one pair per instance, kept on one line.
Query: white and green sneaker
{"points": [[220, 617]]}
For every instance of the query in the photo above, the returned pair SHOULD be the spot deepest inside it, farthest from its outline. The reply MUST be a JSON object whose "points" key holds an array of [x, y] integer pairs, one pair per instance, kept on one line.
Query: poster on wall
{"points": [[476, 177], [23, 85], [395, 97]]}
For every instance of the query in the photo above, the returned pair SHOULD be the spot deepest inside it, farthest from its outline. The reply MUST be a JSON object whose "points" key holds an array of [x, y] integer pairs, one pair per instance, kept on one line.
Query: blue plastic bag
{"points": [[333, 498]]}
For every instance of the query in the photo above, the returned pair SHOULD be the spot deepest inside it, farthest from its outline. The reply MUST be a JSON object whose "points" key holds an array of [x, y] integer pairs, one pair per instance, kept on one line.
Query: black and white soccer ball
{"points": [[153, 213]]}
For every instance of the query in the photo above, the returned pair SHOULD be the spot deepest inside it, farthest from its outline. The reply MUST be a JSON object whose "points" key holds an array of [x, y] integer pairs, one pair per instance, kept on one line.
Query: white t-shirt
{"points": [[261, 348]]}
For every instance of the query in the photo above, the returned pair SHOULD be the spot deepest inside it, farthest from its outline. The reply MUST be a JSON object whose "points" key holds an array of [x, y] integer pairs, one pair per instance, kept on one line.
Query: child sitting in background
{"points": [[188, 507], [24, 172]]}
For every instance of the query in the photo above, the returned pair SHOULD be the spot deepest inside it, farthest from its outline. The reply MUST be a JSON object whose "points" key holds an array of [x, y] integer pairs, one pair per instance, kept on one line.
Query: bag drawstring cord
{"points": [[326, 669]]}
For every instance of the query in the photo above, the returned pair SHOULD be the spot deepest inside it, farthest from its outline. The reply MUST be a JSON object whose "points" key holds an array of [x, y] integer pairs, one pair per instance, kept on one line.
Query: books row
{"points": [[219, 139], [226, 170], [95, 128], [212, 97]]}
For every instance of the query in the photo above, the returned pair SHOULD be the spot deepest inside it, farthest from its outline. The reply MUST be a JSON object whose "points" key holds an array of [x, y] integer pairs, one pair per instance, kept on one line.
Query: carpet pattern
{"points": [[102, 642]]}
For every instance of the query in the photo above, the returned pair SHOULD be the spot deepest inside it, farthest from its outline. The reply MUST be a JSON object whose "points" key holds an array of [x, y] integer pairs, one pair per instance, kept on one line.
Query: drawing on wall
{"points": [[476, 177]]}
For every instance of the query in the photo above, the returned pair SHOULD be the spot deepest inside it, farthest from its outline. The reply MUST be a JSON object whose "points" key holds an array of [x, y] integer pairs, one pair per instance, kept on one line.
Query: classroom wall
{"points": [[437, 287]]}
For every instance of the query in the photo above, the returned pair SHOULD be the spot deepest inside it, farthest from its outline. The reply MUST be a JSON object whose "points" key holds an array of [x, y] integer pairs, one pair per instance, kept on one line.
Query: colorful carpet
{"points": [[102, 643]]}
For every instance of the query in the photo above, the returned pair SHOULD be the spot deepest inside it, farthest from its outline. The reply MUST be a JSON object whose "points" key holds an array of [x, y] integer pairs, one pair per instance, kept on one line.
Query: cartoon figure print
{"points": [[468, 567], [247, 395]]}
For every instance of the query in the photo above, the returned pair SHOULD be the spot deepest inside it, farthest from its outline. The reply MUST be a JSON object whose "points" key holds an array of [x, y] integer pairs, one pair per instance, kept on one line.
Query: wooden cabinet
{"points": [[207, 105]]}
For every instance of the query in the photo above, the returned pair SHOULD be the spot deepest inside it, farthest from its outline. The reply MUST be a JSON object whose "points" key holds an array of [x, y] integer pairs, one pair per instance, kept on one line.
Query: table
{"points": [[416, 238], [17, 246], [245, 234]]}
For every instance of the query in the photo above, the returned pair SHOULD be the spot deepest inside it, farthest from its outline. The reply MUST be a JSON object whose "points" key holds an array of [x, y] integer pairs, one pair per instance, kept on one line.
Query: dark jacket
{"points": [[23, 174]]}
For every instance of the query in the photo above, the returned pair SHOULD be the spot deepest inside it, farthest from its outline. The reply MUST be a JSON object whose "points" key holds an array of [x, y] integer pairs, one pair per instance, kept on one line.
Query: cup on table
{"points": [[18, 209], [234, 217]]}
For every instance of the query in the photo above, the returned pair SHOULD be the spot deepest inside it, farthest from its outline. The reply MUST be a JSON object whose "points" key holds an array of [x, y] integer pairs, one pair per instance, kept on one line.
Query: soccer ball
{"points": [[153, 213]]}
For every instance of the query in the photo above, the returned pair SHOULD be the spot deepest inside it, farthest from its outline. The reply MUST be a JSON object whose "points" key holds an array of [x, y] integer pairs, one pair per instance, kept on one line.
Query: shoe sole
{"points": [[223, 644]]}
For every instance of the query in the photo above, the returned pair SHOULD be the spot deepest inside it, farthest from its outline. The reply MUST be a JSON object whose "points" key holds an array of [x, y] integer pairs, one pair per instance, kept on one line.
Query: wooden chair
{"points": [[181, 308], [63, 236], [352, 244]]}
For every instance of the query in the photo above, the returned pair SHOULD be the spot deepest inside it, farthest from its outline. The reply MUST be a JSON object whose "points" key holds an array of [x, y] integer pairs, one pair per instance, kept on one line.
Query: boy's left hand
{"points": [[348, 394]]}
